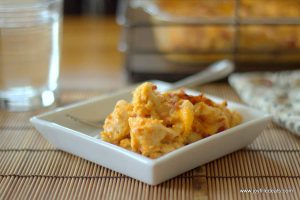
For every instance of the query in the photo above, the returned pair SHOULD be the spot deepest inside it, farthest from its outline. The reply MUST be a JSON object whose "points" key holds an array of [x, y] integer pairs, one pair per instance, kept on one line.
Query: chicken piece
{"points": [[211, 118], [186, 114], [174, 112], [151, 138], [148, 102], [181, 119], [236, 119], [193, 137], [116, 125], [125, 143]]}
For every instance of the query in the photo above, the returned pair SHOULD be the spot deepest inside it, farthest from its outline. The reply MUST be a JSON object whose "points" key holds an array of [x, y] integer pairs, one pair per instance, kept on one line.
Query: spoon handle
{"points": [[214, 72]]}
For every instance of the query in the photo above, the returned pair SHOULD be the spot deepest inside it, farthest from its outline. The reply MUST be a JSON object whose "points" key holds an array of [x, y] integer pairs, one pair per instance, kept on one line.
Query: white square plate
{"points": [[75, 128]]}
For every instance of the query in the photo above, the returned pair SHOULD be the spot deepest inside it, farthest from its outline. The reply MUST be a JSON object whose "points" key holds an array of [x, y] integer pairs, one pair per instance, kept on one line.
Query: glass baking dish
{"points": [[183, 37]]}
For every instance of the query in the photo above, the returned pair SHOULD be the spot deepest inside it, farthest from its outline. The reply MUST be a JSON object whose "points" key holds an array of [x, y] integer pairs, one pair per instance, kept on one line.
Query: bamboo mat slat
{"points": [[91, 188], [16, 121], [31, 168], [21, 139], [276, 138], [36, 159], [58, 164]]}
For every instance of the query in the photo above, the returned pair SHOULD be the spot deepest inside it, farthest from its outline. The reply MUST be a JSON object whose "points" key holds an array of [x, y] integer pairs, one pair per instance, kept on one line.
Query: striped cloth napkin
{"points": [[275, 93]]}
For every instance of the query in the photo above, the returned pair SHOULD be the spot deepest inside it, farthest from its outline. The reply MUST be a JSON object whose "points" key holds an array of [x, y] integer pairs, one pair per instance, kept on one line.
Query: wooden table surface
{"points": [[32, 168]]}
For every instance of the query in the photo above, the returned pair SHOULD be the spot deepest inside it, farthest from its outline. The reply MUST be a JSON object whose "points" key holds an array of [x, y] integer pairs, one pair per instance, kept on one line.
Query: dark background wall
{"points": [[90, 7]]}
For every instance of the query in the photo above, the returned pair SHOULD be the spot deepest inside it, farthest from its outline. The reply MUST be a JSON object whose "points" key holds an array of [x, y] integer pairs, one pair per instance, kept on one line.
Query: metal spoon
{"points": [[213, 72]]}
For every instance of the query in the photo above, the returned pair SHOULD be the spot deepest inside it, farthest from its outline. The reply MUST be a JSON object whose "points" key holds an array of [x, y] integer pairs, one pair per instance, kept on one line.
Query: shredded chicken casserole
{"points": [[155, 123]]}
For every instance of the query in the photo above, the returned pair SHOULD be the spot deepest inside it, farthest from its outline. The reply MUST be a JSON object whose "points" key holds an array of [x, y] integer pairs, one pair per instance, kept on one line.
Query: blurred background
{"points": [[171, 39], [90, 7], [90, 46]]}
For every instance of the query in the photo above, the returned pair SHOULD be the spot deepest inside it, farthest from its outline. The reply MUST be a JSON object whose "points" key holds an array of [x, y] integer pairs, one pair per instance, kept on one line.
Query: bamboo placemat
{"points": [[31, 168]]}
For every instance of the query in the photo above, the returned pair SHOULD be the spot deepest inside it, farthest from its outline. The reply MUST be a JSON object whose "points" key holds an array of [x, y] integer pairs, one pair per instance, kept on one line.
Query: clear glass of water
{"points": [[29, 53]]}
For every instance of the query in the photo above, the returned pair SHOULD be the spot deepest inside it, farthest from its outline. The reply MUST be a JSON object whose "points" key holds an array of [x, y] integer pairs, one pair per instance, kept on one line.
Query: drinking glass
{"points": [[29, 53]]}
